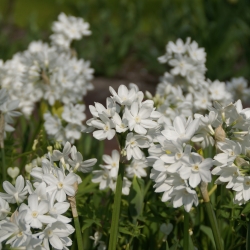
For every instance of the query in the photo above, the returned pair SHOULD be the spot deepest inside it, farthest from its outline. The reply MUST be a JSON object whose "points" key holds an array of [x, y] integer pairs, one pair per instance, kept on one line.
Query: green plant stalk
{"points": [[214, 225], [78, 233], [248, 235], [186, 231], [72, 201], [4, 171], [116, 209], [211, 216]]}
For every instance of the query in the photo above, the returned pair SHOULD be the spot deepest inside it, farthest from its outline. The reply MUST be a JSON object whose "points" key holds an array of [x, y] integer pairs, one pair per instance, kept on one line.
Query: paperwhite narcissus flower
{"points": [[137, 168], [242, 185], [124, 96], [35, 212], [4, 208], [133, 145], [112, 107], [15, 230], [139, 118], [185, 196], [196, 169], [15, 194], [57, 235], [62, 185], [182, 130], [112, 163], [105, 126], [78, 164]]}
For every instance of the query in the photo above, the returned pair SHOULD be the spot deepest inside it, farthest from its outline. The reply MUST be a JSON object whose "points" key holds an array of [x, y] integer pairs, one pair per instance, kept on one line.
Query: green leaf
{"points": [[208, 231], [136, 197], [88, 223], [126, 231], [246, 209]]}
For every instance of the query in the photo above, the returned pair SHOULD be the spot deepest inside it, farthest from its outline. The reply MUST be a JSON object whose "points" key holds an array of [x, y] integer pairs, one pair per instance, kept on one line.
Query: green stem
{"points": [[214, 225], [248, 235], [186, 231], [4, 171], [72, 201], [78, 233], [211, 216], [116, 209]]}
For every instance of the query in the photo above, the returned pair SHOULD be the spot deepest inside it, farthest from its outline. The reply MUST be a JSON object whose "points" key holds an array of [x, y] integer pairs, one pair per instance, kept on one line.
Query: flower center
{"points": [[106, 128], [137, 119], [247, 183], [60, 185], [195, 168], [133, 143], [113, 164], [20, 234], [178, 155], [50, 233], [34, 214]]}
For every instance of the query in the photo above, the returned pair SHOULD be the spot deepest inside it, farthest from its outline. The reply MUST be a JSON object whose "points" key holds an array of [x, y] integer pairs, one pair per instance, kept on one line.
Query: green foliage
{"points": [[132, 34]]}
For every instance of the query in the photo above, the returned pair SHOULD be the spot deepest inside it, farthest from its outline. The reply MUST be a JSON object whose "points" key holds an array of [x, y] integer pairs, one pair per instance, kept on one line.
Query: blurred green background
{"points": [[128, 33]]}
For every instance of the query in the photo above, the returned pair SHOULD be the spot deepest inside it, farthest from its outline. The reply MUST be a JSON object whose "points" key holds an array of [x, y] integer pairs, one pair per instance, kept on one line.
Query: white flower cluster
{"points": [[108, 175], [238, 86], [38, 222], [135, 122], [67, 29], [187, 71], [7, 108], [128, 115], [49, 74], [177, 170], [67, 126], [232, 161]]}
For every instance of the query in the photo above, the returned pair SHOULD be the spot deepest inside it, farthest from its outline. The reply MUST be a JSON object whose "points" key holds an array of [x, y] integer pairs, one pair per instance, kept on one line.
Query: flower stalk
{"points": [[72, 200], [116, 209], [211, 216], [4, 172], [186, 231]]}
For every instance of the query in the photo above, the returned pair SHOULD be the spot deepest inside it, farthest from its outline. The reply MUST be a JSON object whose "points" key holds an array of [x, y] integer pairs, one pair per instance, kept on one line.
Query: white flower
{"points": [[139, 118], [112, 163], [4, 208], [124, 96], [62, 156], [103, 177], [112, 107], [195, 169], [185, 196], [133, 145], [77, 162], [105, 126], [183, 130], [137, 168], [69, 28], [74, 113], [181, 65], [196, 53], [62, 185], [242, 185], [178, 48], [15, 194], [35, 212], [57, 235], [15, 230], [121, 125]]}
